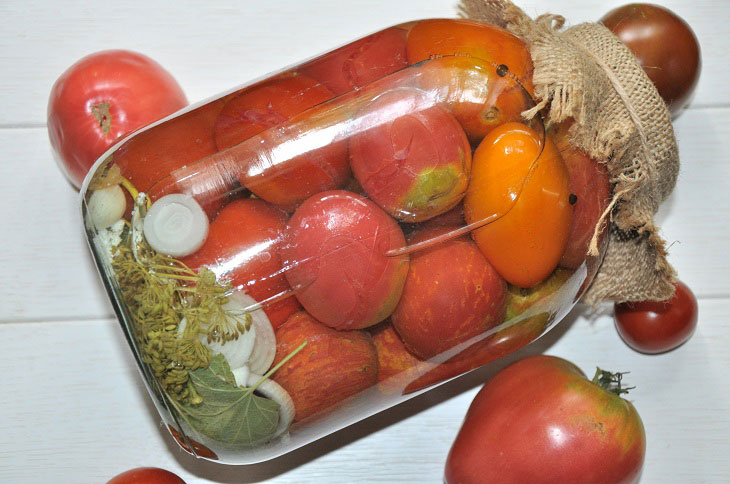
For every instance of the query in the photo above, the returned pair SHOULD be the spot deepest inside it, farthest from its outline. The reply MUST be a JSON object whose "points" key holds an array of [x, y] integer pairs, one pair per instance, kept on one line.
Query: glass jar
{"points": [[309, 249]]}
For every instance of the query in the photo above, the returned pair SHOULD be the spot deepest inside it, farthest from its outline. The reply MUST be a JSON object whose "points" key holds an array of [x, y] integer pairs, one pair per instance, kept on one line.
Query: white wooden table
{"points": [[73, 408]]}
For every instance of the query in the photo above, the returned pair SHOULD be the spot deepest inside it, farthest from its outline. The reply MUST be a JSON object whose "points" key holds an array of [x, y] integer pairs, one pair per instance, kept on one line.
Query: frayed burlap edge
{"points": [[586, 73]]}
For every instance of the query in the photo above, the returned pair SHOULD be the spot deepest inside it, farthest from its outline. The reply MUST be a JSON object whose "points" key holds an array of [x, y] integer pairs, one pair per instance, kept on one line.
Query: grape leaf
{"points": [[228, 413]]}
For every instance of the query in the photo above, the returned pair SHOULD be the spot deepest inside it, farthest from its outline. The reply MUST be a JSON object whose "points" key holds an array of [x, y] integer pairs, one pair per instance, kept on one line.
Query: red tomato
{"points": [[146, 475], [335, 254], [664, 45], [658, 326], [480, 95], [360, 62], [290, 179], [541, 420], [591, 187], [394, 360], [451, 295], [164, 159], [415, 161], [333, 366], [243, 247], [101, 98]]}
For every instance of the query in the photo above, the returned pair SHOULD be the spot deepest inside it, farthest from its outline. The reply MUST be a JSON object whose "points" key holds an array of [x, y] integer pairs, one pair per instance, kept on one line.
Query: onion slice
{"points": [[273, 391], [264, 349], [176, 225]]}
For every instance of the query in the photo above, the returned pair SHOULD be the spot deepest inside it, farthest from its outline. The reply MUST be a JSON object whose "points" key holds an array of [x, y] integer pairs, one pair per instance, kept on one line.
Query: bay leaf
{"points": [[228, 413]]}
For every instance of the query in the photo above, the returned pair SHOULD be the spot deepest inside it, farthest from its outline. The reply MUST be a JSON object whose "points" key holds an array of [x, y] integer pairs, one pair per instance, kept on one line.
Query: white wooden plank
{"points": [[74, 408], [211, 47], [47, 267], [694, 219], [78, 411]]}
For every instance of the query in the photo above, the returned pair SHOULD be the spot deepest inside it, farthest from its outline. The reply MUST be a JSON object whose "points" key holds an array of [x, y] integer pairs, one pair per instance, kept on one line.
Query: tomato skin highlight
{"points": [[541, 420], [658, 326], [101, 98]]}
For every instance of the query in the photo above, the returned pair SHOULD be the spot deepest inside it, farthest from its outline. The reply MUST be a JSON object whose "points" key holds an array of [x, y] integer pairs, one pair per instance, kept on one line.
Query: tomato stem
{"points": [[611, 381], [103, 116]]}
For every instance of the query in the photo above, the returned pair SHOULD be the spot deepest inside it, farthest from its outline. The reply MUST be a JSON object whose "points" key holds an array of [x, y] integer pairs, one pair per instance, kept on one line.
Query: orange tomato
{"points": [[528, 191], [478, 94], [440, 37]]}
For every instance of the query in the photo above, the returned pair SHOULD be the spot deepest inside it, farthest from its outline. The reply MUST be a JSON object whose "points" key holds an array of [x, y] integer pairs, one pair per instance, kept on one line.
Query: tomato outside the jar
{"points": [[658, 326]]}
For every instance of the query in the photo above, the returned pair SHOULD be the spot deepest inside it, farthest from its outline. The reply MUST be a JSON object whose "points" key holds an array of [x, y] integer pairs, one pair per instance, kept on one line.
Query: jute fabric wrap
{"points": [[585, 73]]}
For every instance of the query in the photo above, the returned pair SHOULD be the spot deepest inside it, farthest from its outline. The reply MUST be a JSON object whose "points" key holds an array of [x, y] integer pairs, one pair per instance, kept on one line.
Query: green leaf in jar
{"points": [[228, 413]]}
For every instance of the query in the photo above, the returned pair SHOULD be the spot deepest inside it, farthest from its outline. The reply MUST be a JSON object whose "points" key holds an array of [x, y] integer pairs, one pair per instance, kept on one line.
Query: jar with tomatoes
{"points": [[323, 244]]}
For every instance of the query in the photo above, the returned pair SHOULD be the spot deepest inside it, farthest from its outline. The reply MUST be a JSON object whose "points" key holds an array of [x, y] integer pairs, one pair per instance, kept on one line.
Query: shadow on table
{"points": [[282, 464]]}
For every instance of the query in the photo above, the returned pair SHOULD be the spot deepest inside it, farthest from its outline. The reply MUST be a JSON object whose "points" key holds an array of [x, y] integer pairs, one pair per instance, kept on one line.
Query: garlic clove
{"points": [[241, 375], [106, 206], [272, 390], [176, 225]]}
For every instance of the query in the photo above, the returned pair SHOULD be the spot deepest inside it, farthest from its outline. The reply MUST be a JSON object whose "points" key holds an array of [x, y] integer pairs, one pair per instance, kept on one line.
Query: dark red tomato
{"points": [[360, 62], [284, 181], [541, 420], [146, 475], [658, 326], [243, 247], [664, 45], [101, 98]]}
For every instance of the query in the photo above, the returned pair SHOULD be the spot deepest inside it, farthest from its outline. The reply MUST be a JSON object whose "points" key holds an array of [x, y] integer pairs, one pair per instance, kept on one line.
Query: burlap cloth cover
{"points": [[586, 73]]}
